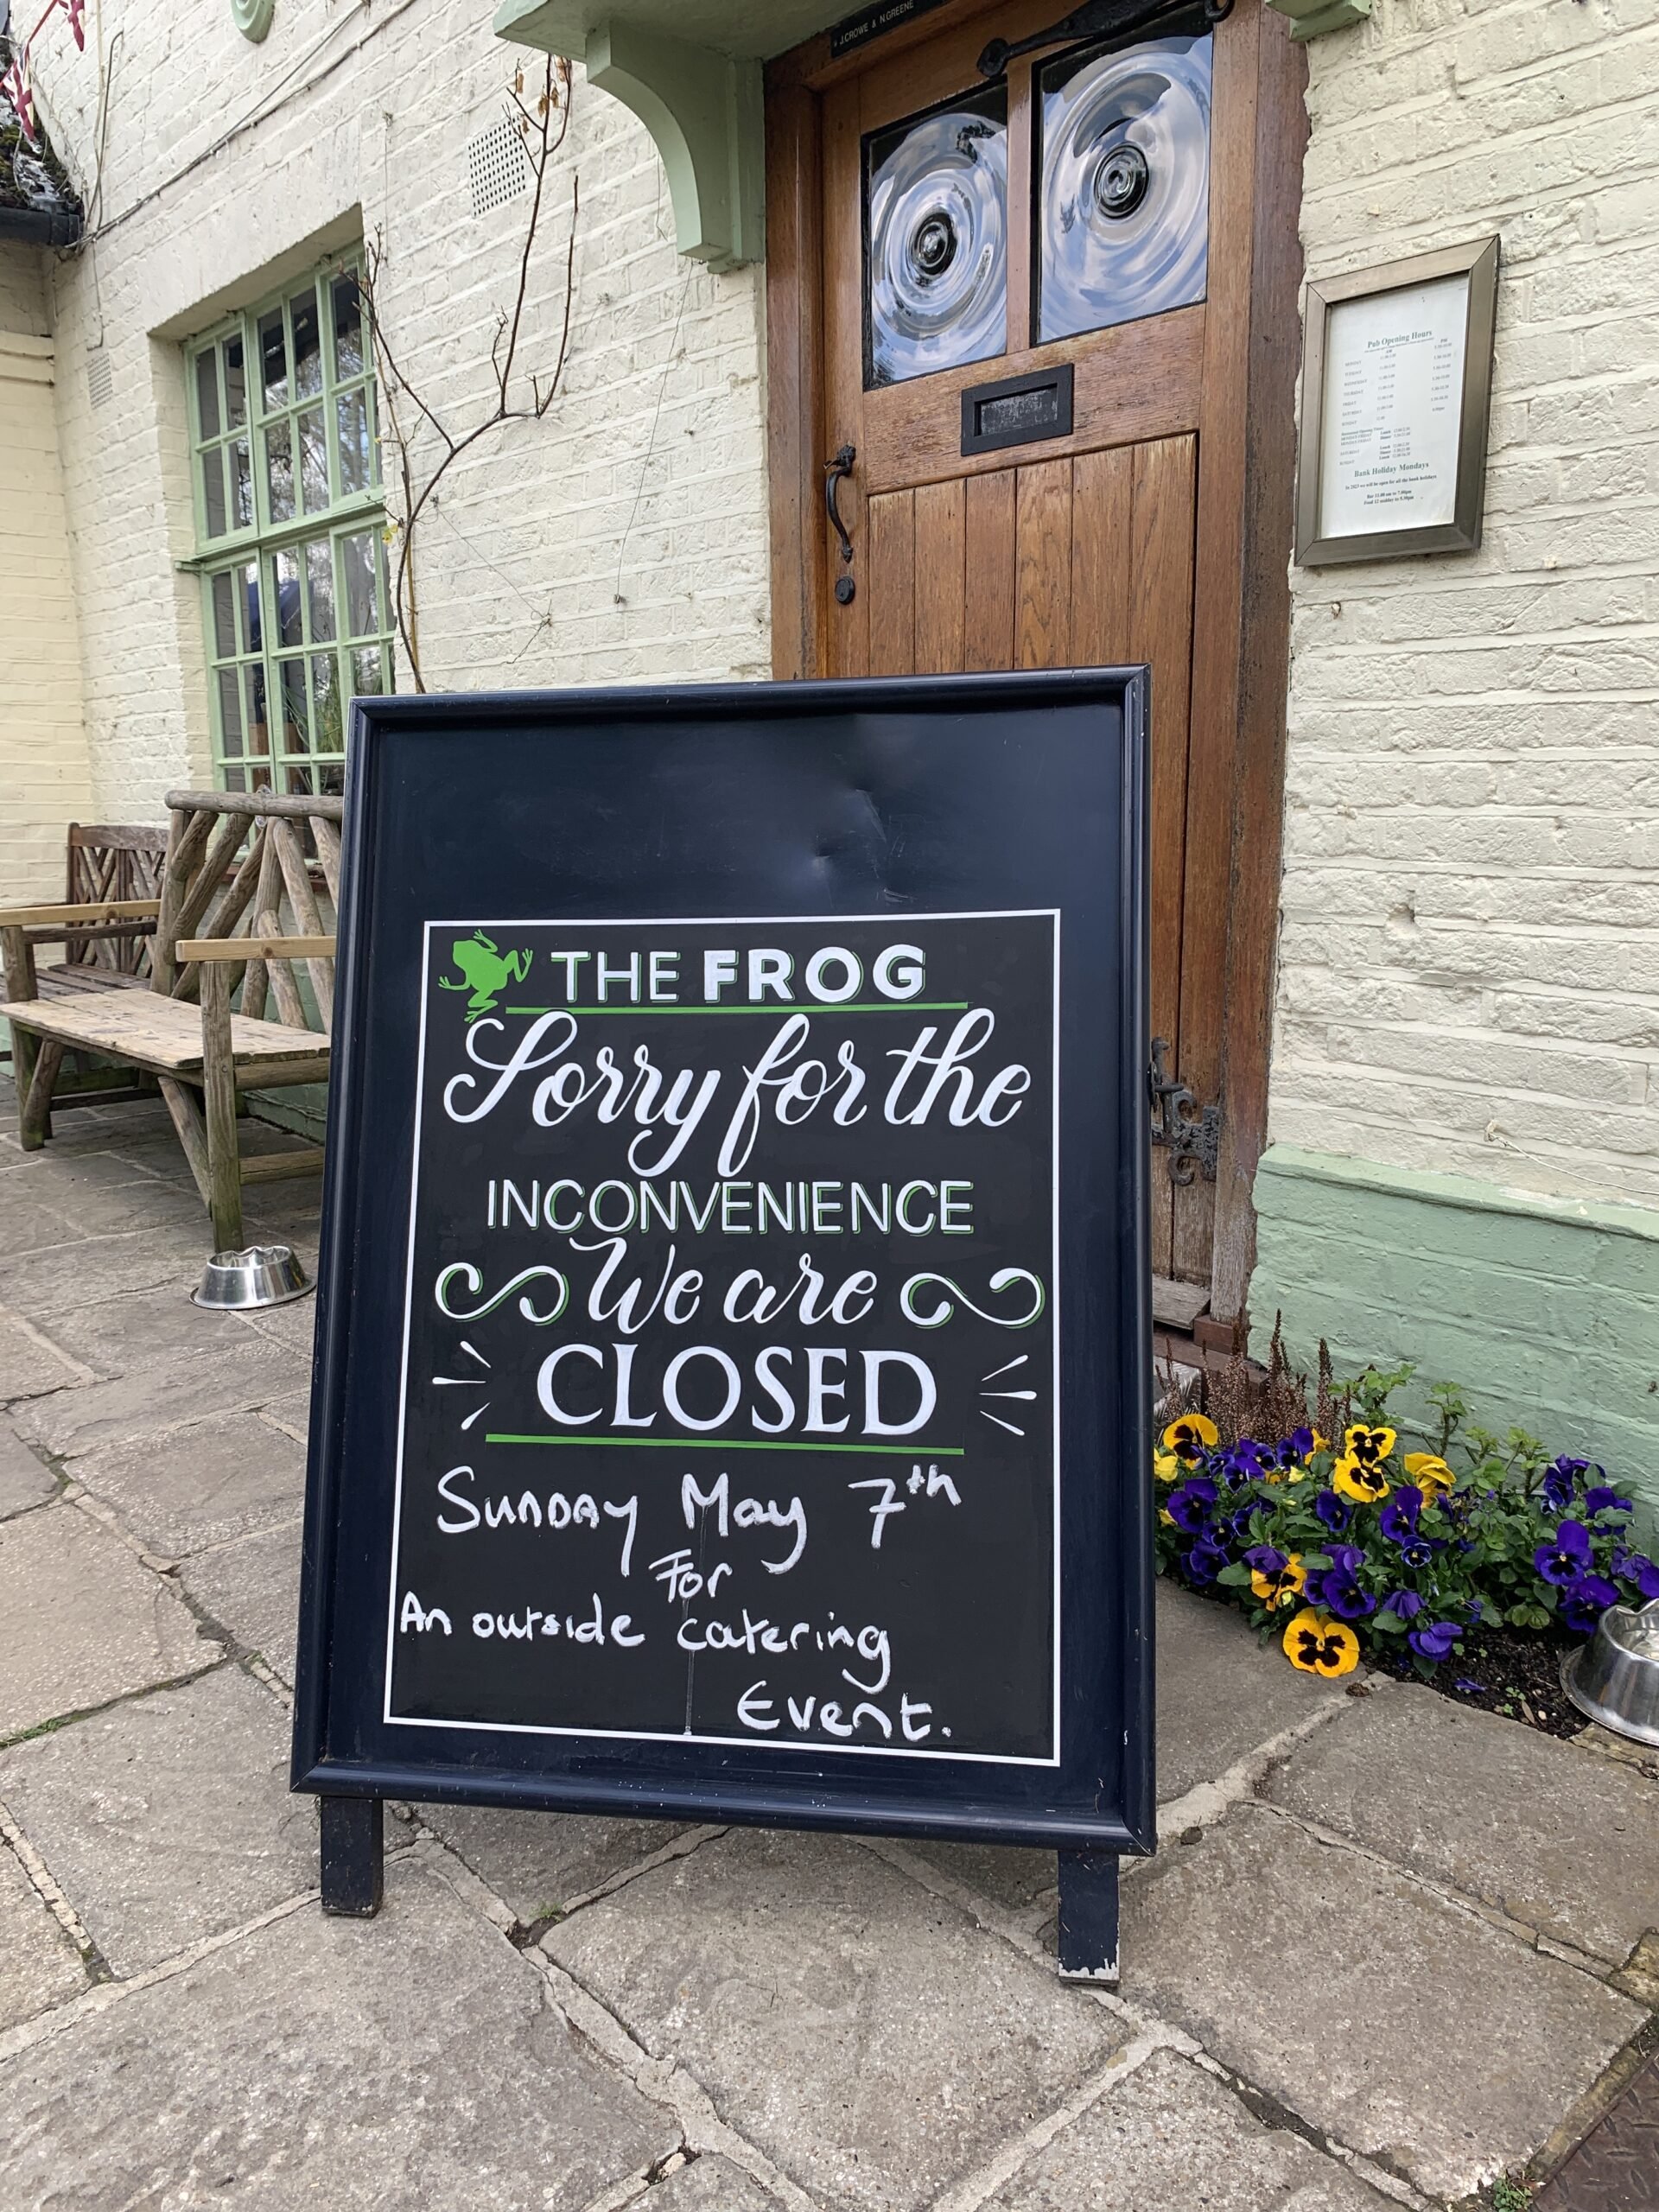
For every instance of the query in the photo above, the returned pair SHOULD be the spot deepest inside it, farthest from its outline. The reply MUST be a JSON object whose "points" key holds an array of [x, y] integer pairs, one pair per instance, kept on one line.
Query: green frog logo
{"points": [[485, 972]]}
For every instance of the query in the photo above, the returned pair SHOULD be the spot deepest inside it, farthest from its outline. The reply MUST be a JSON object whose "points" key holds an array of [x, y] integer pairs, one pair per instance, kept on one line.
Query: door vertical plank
{"points": [[889, 583], [1103, 488], [794, 380], [989, 583], [849, 652], [941, 607], [1159, 632], [1042, 635]]}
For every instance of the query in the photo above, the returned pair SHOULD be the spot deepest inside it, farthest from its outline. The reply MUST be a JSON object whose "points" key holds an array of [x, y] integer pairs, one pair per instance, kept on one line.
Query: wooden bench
{"points": [[238, 911]]}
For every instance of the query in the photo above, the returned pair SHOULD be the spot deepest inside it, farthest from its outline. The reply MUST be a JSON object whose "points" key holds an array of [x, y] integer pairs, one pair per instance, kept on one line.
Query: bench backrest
{"points": [[113, 861], [238, 865]]}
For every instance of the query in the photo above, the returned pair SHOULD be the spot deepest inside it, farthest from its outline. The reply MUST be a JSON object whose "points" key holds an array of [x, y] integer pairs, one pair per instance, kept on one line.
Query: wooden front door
{"points": [[924, 218]]}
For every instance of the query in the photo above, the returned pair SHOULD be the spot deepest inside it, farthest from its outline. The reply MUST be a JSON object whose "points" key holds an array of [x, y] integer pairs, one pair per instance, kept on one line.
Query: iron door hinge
{"points": [[1190, 1132]]}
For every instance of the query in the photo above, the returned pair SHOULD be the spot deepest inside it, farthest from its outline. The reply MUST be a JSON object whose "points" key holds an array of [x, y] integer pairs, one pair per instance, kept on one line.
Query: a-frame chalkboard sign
{"points": [[734, 1337]]}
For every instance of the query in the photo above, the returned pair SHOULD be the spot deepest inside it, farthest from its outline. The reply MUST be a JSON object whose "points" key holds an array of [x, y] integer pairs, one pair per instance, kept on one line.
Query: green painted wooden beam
{"points": [[1313, 18]]}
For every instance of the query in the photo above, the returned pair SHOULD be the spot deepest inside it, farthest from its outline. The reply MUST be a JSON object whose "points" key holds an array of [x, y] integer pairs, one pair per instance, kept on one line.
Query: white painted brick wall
{"points": [[1469, 962], [622, 538], [45, 779]]}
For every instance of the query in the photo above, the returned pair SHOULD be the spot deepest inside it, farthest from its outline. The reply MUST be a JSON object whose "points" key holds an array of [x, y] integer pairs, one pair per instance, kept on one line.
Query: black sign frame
{"points": [[985, 794]]}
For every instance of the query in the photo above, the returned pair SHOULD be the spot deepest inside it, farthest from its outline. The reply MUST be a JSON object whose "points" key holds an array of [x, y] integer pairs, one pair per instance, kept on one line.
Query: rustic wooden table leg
{"points": [[1088, 1917], [218, 1089], [35, 1123], [353, 1861], [21, 985]]}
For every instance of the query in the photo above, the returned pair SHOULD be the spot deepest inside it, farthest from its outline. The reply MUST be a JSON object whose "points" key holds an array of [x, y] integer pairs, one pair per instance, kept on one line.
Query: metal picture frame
{"points": [[1476, 262]]}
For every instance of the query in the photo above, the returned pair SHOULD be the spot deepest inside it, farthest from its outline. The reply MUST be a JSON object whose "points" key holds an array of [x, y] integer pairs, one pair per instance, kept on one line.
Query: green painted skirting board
{"points": [[1544, 1311]]}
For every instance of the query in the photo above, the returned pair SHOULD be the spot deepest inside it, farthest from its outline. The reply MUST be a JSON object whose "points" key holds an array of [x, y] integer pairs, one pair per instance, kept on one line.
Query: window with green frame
{"points": [[289, 532]]}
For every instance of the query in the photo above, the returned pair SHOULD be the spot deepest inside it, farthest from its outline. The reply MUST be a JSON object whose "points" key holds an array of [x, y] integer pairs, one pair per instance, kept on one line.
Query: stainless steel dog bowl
{"points": [[264, 1275], [1615, 1678]]}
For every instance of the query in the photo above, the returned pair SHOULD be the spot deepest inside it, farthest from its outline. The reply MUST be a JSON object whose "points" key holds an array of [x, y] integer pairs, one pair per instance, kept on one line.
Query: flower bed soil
{"points": [[1512, 1671]]}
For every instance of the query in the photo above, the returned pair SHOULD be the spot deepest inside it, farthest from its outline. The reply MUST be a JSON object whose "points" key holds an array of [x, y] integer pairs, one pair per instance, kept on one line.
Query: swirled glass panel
{"points": [[1123, 215], [935, 240]]}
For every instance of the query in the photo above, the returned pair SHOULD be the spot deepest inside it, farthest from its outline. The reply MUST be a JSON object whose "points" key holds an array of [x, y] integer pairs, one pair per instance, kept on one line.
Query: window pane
{"points": [[273, 358], [332, 780], [249, 573], [307, 344], [936, 230], [207, 392], [279, 472], [320, 587], [298, 781], [223, 593], [290, 631], [295, 725], [348, 326], [242, 480], [258, 735], [236, 383], [313, 462], [325, 704], [353, 440], [213, 491], [230, 711], [366, 672], [235, 780], [362, 596]]}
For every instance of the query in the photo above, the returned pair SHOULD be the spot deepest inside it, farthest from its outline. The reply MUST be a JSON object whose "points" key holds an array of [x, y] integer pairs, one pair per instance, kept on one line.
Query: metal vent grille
{"points": [[496, 168], [100, 378]]}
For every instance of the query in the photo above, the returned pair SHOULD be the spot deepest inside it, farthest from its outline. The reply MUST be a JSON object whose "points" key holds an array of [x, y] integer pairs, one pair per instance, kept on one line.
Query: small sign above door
{"points": [[874, 22]]}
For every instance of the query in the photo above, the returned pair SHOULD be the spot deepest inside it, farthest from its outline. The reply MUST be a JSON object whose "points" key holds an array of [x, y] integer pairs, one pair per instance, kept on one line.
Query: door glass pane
{"points": [[224, 597], [353, 440], [307, 344], [236, 383], [253, 680], [1124, 211], [320, 587], [362, 598], [207, 392], [366, 679], [325, 704], [290, 629], [213, 491], [279, 472], [295, 726], [348, 327], [242, 482], [230, 710], [249, 573], [313, 462], [936, 232], [273, 358]]}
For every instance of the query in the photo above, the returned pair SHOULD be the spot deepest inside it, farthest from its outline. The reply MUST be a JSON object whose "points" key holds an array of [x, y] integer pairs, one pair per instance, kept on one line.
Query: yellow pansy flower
{"points": [[1315, 1644], [1166, 1467], [1360, 1479], [1370, 1446], [1280, 1589], [1430, 1473], [1190, 1435]]}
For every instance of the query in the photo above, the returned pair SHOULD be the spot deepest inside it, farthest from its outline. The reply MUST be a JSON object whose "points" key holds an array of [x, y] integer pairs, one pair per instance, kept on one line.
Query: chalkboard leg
{"points": [[354, 1837], [1088, 1917]]}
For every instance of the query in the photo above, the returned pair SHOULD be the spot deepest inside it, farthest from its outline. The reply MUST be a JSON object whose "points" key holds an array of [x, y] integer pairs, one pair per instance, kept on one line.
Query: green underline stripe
{"points": [[862, 1006], [744, 1444]]}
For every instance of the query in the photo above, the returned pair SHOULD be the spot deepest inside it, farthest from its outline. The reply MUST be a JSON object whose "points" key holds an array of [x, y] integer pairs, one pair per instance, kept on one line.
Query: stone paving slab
{"points": [[1169, 2138], [29, 1367], [1388, 2019], [39, 1966], [866, 2035], [81, 1621], [114, 1335], [410, 2062], [1220, 1691], [224, 1476], [1501, 1813], [28, 1220], [169, 1818], [710, 2183], [73, 1274], [24, 1480], [172, 1389], [538, 1862], [1006, 1874], [100, 1194], [251, 1587]]}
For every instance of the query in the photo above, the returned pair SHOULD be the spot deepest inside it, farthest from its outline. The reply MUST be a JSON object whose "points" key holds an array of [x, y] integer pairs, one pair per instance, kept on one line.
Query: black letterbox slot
{"points": [[1017, 410]]}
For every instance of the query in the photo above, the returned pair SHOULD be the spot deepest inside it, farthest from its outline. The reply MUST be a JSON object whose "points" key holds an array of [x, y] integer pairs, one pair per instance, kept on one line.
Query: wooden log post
{"points": [[34, 1122], [21, 985], [219, 1096]]}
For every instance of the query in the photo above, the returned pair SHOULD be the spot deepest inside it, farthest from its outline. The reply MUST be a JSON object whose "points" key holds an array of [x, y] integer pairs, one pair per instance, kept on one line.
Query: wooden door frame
{"points": [[1242, 582]]}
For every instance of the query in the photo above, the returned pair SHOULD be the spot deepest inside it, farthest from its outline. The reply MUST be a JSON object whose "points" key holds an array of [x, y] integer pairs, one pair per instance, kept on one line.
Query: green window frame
{"points": [[285, 464]]}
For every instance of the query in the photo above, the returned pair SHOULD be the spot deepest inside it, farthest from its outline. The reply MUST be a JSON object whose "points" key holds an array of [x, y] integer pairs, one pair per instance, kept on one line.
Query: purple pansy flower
{"points": [[1561, 1480], [1417, 1551], [1605, 1499], [1189, 1505], [1404, 1605], [1585, 1601], [1266, 1560], [1398, 1519], [1205, 1560], [1331, 1510], [1640, 1569], [1248, 1460], [1568, 1558], [1295, 1449], [1435, 1642]]}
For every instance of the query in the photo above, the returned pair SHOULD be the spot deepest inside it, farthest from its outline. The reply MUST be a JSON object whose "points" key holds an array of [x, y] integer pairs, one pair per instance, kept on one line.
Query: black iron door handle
{"points": [[834, 469]]}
